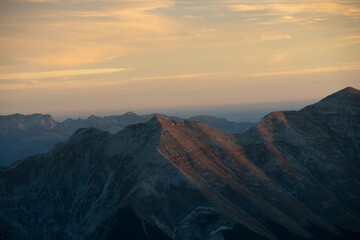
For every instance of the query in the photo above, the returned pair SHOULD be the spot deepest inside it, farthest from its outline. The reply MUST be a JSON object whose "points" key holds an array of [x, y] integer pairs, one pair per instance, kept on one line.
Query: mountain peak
{"points": [[346, 93], [93, 117], [169, 125], [351, 90], [162, 119], [346, 101], [130, 113], [86, 134]]}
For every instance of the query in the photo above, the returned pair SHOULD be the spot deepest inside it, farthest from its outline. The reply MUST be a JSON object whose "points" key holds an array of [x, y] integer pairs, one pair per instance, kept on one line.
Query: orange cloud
{"points": [[275, 37], [192, 17], [291, 8], [69, 38], [352, 37], [34, 82], [306, 71], [60, 73], [279, 58], [39, 1]]}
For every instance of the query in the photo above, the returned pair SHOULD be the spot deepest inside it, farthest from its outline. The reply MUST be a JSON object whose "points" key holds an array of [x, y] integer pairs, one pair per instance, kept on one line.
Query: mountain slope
{"points": [[223, 124], [320, 143], [293, 176], [84, 182]]}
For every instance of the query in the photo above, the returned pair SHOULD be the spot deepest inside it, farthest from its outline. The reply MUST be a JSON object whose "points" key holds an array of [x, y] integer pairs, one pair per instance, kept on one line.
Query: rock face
{"points": [[293, 176]]}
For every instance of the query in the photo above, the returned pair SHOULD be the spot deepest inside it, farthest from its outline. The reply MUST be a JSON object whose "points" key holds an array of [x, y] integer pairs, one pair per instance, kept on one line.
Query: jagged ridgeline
{"points": [[295, 175], [22, 136]]}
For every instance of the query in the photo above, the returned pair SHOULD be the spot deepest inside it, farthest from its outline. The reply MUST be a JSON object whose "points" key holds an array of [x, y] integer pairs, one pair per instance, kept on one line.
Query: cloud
{"points": [[34, 82], [352, 37], [167, 77], [61, 73], [292, 8], [61, 82], [306, 71], [274, 37], [319, 19], [87, 33], [192, 17], [287, 18], [39, 1], [75, 54], [247, 8], [279, 58]]}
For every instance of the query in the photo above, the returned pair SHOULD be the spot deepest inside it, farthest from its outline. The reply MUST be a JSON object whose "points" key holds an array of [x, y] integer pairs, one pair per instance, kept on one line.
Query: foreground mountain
{"points": [[293, 176], [25, 135]]}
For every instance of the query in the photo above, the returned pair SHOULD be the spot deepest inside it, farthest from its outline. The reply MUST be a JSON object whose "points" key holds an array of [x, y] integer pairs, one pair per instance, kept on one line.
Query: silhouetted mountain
{"points": [[293, 176]]}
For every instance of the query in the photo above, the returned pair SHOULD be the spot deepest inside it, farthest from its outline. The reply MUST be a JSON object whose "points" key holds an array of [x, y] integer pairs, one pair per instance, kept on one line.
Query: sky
{"points": [[108, 56]]}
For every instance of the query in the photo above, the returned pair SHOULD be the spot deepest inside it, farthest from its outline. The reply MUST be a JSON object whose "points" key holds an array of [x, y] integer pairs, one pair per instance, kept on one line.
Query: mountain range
{"points": [[25, 135], [295, 175]]}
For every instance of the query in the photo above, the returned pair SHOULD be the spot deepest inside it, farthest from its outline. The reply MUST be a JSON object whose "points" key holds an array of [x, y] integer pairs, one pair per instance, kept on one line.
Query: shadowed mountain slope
{"points": [[293, 176]]}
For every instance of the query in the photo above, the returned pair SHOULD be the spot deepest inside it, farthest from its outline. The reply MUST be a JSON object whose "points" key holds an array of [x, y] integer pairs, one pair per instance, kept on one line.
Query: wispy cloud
{"points": [[61, 73], [39, 1], [69, 81], [287, 17], [279, 58], [88, 33], [320, 19], [292, 8], [192, 17], [352, 37], [274, 37], [167, 77], [306, 71]]}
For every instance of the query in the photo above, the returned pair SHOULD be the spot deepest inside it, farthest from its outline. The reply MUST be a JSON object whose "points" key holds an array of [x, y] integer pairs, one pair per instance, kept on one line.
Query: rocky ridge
{"points": [[293, 176]]}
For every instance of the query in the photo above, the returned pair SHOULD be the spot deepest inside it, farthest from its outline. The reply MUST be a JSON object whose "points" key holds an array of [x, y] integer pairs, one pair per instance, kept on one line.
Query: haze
{"points": [[103, 56]]}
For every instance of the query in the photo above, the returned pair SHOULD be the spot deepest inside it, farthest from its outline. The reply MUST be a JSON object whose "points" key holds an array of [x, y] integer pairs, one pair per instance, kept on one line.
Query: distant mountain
{"points": [[25, 135], [293, 176], [223, 124], [111, 124], [25, 122]]}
